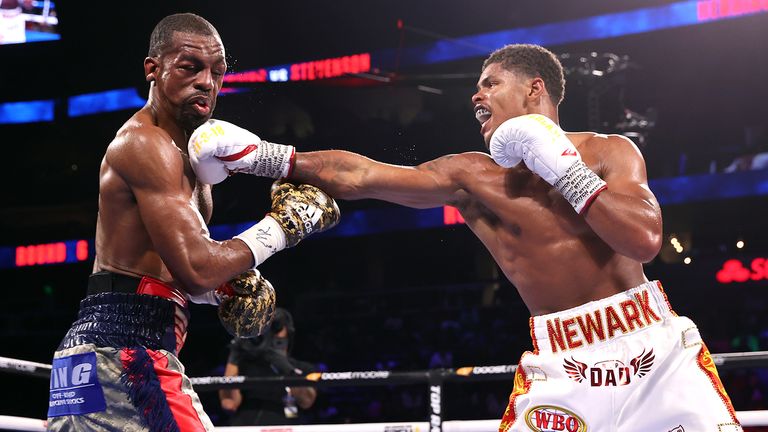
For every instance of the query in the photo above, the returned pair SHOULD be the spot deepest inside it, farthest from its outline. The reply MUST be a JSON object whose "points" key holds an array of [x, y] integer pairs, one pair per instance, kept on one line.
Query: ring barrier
{"points": [[747, 418], [433, 378]]}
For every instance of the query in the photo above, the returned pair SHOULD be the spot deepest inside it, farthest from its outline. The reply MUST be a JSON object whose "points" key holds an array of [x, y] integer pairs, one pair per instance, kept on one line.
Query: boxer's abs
{"points": [[122, 242], [555, 275]]}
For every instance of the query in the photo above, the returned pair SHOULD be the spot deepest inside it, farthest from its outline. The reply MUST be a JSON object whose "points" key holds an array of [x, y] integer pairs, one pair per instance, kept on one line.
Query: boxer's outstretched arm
{"points": [[350, 176], [153, 168], [626, 215]]}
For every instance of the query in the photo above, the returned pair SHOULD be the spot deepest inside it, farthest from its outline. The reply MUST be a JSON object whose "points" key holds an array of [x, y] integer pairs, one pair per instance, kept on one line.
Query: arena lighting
{"points": [[305, 71], [644, 20], [677, 14], [687, 260], [733, 270], [108, 101], [676, 244], [451, 216], [706, 187], [355, 223], [26, 112], [52, 253], [740, 244]]}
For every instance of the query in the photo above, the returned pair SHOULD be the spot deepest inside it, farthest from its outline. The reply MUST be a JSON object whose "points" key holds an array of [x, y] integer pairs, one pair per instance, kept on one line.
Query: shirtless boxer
{"points": [[570, 220], [117, 367]]}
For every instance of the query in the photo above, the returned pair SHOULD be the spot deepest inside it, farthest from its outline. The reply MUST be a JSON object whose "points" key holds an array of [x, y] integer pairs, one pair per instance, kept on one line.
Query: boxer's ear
{"points": [[537, 88], [151, 65]]}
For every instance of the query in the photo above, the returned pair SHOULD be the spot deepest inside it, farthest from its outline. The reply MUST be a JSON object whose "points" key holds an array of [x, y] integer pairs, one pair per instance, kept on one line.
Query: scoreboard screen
{"points": [[23, 21]]}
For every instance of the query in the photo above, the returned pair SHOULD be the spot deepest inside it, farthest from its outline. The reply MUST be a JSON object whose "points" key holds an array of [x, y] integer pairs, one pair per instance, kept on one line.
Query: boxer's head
{"points": [[186, 62], [515, 80]]}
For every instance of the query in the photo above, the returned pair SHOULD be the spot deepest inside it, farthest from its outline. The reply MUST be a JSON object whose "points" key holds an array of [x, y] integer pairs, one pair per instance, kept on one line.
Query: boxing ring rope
{"points": [[434, 378]]}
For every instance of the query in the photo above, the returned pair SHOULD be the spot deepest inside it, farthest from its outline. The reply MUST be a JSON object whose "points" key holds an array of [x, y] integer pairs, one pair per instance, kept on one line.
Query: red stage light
{"points": [[451, 216], [52, 253], [733, 270], [330, 68], [49, 253], [81, 250], [718, 9]]}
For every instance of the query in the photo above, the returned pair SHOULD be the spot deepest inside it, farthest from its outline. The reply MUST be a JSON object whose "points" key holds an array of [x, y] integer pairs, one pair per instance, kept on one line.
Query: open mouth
{"points": [[482, 114], [201, 105]]}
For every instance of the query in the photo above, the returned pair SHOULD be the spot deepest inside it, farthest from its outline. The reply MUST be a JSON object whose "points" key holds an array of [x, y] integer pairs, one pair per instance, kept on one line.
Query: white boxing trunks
{"points": [[625, 363]]}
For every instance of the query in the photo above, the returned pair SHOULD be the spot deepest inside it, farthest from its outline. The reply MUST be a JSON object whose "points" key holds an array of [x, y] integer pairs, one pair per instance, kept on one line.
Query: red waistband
{"points": [[151, 286], [108, 281]]}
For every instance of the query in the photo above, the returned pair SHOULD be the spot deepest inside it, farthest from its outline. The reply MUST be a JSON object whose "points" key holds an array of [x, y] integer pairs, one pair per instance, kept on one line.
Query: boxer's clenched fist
{"points": [[247, 304], [302, 210], [297, 212], [543, 147], [218, 148]]}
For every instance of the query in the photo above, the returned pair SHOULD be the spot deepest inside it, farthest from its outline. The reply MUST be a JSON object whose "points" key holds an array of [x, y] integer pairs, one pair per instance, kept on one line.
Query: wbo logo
{"points": [[610, 372], [551, 418]]}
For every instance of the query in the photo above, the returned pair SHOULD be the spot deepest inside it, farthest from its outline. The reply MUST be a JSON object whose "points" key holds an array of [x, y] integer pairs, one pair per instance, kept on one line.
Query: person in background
{"points": [[267, 355]]}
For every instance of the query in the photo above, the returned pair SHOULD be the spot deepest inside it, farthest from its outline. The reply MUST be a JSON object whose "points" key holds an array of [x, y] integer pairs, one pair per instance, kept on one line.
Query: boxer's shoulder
{"points": [[142, 144], [598, 139], [612, 154], [593, 145], [139, 135], [474, 161]]}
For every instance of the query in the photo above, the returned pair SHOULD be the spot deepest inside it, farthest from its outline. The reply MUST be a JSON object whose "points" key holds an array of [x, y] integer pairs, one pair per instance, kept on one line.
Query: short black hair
{"points": [[162, 35], [533, 61]]}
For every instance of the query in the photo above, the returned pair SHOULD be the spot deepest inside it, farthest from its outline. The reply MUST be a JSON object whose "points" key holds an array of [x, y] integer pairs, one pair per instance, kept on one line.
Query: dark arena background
{"points": [[394, 289]]}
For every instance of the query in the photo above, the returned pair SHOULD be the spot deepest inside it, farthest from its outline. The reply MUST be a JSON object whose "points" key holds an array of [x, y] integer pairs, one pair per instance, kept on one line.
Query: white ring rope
{"points": [[747, 419], [24, 366], [356, 378], [21, 423]]}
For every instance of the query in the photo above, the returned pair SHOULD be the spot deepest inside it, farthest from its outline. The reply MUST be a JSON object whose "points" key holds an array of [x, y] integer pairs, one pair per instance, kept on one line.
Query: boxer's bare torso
{"points": [[549, 252], [556, 258], [150, 202], [123, 244]]}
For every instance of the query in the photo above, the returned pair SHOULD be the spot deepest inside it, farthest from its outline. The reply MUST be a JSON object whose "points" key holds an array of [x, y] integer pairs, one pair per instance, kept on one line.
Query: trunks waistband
{"points": [[602, 320], [124, 320], [106, 281], [124, 311]]}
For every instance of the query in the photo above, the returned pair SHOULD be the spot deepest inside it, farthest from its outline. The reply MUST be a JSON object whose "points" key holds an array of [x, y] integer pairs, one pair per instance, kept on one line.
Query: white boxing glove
{"points": [[546, 151], [218, 148]]}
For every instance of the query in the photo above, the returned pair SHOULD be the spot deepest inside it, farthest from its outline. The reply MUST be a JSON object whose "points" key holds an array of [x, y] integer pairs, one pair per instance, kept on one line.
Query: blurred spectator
{"points": [[754, 155], [267, 355], [12, 23], [748, 162]]}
